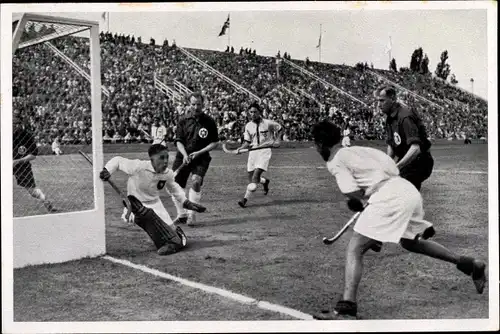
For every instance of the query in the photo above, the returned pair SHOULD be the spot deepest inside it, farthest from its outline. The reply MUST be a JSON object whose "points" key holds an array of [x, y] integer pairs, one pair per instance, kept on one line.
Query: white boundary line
{"points": [[214, 290]]}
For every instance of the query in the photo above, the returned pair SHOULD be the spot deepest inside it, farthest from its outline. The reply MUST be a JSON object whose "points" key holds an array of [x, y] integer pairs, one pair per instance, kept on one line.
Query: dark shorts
{"points": [[419, 170], [199, 167], [24, 176]]}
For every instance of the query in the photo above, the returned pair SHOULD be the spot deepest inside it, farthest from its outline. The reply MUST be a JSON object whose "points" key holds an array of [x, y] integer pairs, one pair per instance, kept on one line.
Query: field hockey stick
{"points": [[114, 186], [329, 241], [245, 150], [147, 134]]}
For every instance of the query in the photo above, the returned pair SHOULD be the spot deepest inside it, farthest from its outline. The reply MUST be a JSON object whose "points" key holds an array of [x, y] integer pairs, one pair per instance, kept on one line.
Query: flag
{"points": [[224, 27], [388, 48], [319, 43], [103, 16]]}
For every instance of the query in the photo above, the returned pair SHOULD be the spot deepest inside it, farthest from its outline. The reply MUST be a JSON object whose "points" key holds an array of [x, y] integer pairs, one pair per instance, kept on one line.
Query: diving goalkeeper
{"points": [[146, 180]]}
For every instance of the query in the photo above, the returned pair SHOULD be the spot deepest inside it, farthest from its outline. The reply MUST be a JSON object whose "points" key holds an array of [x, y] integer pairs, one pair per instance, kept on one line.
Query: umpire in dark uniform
{"points": [[407, 139], [196, 136], [24, 150]]}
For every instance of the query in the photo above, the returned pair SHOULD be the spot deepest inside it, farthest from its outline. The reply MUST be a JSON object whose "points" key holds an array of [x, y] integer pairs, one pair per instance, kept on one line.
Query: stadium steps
{"points": [[324, 82], [405, 89], [237, 86], [78, 69], [170, 92]]}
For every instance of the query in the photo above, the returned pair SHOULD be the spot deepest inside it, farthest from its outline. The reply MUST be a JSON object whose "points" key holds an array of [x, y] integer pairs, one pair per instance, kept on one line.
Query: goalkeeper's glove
{"points": [[104, 174], [193, 206], [355, 205]]}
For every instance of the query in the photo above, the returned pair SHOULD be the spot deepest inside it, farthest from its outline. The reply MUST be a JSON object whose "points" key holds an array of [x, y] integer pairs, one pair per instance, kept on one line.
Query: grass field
{"points": [[270, 251]]}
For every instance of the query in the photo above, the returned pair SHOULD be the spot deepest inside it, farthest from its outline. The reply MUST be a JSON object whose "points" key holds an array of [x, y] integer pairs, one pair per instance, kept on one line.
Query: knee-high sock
{"points": [[194, 197], [181, 212], [248, 193], [251, 187]]}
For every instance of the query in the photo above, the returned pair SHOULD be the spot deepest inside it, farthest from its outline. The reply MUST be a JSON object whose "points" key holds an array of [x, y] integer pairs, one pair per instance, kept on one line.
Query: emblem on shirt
{"points": [[203, 133], [21, 150], [397, 138]]}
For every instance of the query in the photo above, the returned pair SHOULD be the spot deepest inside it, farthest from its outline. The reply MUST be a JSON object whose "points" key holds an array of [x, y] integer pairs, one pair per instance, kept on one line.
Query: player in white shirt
{"points": [[158, 132], [346, 140], [258, 132], [146, 180], [56, 147], [393, 213]]}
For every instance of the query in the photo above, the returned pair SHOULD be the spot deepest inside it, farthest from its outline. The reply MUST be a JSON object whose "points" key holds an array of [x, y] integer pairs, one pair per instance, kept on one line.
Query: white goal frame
{"points": [[55, 238]]}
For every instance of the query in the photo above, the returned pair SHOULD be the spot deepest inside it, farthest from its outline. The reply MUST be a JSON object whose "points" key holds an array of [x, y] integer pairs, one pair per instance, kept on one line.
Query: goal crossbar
{"points": [[66, 26]]}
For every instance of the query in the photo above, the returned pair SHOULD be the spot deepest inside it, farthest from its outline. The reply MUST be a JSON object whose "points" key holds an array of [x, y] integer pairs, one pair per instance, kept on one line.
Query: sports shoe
{"points": [[243, 203], [266, 186], [474, 268], [180, 220], [167, 249], [479, 275], [344, 310]]}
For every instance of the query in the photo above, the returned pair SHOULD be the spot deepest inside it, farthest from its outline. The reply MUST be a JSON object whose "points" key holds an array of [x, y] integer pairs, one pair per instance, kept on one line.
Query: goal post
{"points": [[50, 102]]}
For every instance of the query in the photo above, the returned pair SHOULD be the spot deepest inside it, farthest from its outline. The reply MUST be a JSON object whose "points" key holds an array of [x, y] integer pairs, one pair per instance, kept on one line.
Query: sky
{"points": [[348, 36]]}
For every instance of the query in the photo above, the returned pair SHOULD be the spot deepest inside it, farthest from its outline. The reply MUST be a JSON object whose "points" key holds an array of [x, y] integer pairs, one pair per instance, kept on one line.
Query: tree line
{"points": [[419, 63]]}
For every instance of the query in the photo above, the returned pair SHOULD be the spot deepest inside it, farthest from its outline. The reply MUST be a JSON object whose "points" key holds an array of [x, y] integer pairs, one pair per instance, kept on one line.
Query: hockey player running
{"points": [[394, 213], [146, 180], [258, 132]]}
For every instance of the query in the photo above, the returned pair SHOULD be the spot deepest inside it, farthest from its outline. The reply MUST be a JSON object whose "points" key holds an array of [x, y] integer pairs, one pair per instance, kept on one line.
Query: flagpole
{"points": [[320, 42], [229, 33], [108, 21], [390, 50]]}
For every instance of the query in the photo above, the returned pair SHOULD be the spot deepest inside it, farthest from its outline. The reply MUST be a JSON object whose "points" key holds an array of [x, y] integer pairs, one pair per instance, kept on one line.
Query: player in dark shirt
{"points": [[195, 137], [24, 150], [406, 137]]}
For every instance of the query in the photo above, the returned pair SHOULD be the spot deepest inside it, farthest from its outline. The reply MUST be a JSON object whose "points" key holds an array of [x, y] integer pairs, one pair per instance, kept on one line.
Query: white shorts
{"points": [[346, 141], [157, 207], [395, 211], [259, 159]]}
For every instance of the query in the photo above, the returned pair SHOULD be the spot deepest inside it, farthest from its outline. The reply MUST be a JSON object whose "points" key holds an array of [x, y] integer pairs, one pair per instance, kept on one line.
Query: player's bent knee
{"points": [[197, 182], [252, 187]]}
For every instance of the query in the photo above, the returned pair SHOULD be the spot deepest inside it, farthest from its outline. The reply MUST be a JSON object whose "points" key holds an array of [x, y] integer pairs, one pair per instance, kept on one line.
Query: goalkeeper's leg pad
{"points": [[154, 226]]}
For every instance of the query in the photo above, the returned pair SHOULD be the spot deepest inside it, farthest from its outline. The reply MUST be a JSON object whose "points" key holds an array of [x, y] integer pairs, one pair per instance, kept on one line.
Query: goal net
{"points": [[58, 204]]}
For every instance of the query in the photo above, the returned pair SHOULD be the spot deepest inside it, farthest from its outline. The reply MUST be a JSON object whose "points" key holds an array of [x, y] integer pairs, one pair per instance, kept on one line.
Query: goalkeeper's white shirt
{"points": [[144, 183], [359, 167], [261, 134]]}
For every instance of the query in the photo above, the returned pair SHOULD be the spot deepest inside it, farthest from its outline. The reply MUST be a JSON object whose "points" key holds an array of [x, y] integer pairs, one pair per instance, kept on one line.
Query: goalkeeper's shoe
{"points": [[181, 220], [344, 310], [266, 186], [474, 268], [243, 203], [168, 249]]}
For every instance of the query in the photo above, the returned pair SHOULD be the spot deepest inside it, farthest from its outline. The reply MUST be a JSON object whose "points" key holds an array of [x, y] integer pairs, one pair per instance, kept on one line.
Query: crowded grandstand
{"points": [[144, 81]]}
